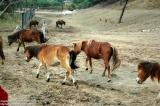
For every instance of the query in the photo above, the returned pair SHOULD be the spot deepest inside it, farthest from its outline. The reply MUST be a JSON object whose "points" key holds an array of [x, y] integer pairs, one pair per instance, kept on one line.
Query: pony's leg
{"points": [[23, 45], [109, 73], [69, 73], [66, 77], [18, 46], [2, 56], [107, 66], [48, 73], [38, 70], [87, 63], [90, 63], [104, 72]]}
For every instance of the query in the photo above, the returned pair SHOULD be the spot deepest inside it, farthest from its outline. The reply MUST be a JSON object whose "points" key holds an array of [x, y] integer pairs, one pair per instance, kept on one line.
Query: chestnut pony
{"points": [[26, 35], [99, 50], [51, 55], [33, 23], [1, 50]]}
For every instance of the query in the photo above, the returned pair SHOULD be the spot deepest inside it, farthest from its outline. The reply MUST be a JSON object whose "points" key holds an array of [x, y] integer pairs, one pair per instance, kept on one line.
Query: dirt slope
{"points": [[136, 39]]}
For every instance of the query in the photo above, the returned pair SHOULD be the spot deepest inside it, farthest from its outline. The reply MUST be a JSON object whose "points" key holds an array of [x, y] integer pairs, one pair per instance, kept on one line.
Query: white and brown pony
{"points": [[99, 50], [50, 55], [148, 69]]}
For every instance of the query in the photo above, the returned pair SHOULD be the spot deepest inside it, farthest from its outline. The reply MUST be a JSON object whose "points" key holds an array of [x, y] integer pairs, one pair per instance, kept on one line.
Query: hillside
{"points": [[144, 3], [136, 39]]}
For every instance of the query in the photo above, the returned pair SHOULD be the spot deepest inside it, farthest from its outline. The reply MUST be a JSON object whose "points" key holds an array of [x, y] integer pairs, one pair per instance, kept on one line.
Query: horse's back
{"points": [[53, 53], [28, 35]]}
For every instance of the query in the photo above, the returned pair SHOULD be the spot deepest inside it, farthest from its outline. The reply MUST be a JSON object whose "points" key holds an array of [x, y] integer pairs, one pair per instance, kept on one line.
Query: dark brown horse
{"points": [[99, 50], [50, 55], [148, 69], [26, 35], [1, 50], [60, 22], [33, 23]]}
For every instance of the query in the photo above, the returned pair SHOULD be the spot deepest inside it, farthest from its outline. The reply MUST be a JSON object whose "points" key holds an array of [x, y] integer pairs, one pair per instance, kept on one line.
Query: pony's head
{"points": [[28, 53], [79, 46], [33, 51], [144, 71], [12, 38]]}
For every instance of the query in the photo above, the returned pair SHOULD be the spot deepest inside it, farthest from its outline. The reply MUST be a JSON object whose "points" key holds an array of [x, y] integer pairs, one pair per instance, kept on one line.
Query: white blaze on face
{"points": [[137, 79], [26, 58]]}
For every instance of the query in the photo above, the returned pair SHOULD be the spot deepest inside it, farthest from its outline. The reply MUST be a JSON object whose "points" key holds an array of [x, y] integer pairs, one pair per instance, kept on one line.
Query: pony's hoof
{"points": [[91, 72], [48, 79], [86, 68], [63, 83], [109, 80], [37, 76]]}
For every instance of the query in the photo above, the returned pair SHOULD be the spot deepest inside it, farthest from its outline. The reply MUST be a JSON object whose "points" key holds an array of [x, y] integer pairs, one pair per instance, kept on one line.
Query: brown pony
{"points": [[149, 69], [26, 35], [99, 50], [1, 50], [33, 23], [60, 22], [50, 55], [146, 69]]}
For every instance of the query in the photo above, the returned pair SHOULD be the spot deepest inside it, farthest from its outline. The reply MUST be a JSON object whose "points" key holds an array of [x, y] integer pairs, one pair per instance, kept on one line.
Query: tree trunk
{"points": [[120, 19]]}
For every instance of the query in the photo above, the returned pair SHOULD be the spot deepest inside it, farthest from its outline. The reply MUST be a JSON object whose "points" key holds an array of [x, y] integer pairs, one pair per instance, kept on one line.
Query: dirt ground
{"points": [[136, 39]]}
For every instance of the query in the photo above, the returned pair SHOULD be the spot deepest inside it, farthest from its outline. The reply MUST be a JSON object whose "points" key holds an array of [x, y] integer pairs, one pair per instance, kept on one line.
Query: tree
{"points": [[120, 19]]}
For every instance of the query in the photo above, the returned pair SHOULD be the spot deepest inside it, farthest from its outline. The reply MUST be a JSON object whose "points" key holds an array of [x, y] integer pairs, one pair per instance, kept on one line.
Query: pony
{"points": [[1, 50], [33, 23], [50, 55], [60, 22], [99, 50], [148, 69], [26, 35]]}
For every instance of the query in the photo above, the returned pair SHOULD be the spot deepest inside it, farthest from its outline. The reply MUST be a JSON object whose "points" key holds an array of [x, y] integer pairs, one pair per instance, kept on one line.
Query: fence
{"points": [[27, 16]]}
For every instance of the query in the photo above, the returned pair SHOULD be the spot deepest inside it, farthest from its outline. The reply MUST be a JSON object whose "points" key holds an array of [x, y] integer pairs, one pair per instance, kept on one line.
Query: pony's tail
{"points": [[116, 61], [73, 57]]}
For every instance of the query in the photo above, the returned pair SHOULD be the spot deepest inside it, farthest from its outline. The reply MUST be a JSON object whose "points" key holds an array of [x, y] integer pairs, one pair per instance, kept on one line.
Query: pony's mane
{"points": [[34, 50], [151, 68]]}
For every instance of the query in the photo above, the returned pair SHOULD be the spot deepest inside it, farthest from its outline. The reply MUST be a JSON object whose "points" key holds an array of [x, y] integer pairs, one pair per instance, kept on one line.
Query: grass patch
{"points": [[10, 21]]}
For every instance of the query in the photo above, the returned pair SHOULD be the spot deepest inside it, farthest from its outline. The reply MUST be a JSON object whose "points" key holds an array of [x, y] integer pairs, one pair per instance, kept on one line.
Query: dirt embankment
{"points": [[136, 39]]}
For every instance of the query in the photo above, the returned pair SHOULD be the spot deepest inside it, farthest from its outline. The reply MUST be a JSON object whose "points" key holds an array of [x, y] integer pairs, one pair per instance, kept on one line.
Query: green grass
{"points": [[10, 21]]}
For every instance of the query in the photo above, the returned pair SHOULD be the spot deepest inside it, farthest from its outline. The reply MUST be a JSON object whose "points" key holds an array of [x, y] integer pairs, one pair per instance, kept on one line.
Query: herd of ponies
{"points": [[49, 54]]}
